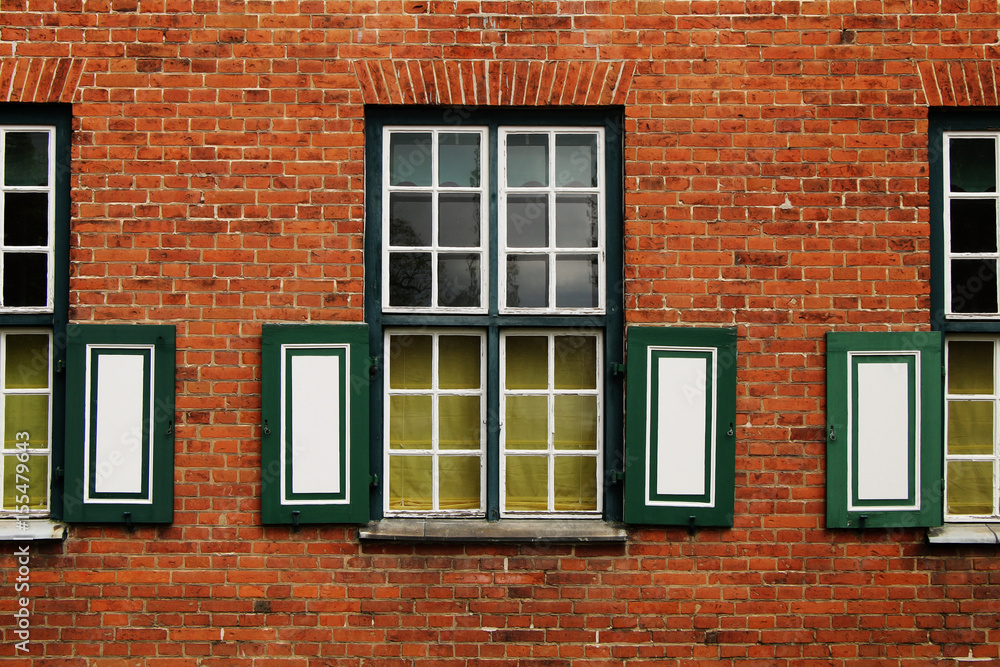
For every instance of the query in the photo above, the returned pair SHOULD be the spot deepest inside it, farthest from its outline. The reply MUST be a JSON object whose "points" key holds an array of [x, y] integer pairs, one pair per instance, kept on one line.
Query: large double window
{"points": [[495, 318]]}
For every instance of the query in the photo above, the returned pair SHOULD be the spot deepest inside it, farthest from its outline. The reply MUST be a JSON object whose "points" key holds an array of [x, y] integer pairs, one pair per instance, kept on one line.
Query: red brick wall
{"points": [[776, 181]]}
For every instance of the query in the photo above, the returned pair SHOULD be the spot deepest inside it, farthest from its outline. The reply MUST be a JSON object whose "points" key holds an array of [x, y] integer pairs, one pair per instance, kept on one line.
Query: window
{"points": [[495, 320], [33, 286], [965, 200]]}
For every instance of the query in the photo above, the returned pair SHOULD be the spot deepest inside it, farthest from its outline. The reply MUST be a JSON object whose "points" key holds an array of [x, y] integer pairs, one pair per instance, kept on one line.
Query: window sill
{"points": [[23, 530], [965, 533], [533, 531]]}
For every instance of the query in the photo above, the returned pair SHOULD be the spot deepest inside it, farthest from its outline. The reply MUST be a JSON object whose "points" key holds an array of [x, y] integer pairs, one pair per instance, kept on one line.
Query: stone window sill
{"points": [[23, 530], [525, 531], [965, 533]]}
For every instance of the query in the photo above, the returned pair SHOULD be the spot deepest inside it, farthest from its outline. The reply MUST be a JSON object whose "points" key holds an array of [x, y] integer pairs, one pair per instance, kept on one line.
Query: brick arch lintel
{"points": [[40, 79], [960, 82], [493, 82]]}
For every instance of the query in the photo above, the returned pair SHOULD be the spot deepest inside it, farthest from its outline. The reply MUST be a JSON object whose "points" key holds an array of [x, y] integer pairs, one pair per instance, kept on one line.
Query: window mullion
{"points": [[493, 419]]}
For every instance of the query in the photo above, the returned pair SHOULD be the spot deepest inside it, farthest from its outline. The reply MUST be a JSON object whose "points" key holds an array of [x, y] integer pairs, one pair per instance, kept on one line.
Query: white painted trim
{"points": [[12, 530]]}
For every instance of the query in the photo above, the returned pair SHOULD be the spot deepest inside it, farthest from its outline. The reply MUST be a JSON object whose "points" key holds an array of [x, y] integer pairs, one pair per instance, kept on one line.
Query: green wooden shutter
{"points": [[119, 423], [883, 405], [315, 424], [680, 417]]}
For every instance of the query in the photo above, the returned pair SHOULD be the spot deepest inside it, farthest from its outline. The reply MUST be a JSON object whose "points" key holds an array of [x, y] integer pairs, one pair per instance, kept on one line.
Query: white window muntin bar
{"points": [[916, 435], [4, 392], [995, 398], [550, 392], [435, 190], [946, 218], [550, 192], [435, 392], [50, 191]]}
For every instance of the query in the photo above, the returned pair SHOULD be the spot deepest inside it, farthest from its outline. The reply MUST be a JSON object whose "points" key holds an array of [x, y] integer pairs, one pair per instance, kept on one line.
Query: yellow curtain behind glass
{"points": [[970, 487], [575, 362], [26, 413], [37, 482], [27, 365], [459, 482], [575, 483], [527, 484], [970, 427], [970, 367]]}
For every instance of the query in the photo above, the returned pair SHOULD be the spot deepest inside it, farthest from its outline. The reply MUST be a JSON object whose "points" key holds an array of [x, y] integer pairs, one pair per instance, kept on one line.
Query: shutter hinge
{"points": [[618, 370], [375, 365], [58, 473], [373, 481], [267, 429], [832, 437], [127, 516], [60, 365], [617, 475]]}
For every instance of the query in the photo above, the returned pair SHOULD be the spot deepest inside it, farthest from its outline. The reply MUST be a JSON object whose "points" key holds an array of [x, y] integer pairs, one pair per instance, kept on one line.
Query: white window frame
{"points": [[551, 192], [551, 453]]}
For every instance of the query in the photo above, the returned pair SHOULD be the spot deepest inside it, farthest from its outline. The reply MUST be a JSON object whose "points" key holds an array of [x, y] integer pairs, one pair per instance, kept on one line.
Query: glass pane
{"points": [[410, 482], [458, 221], [409, 219], [576, 422], [527, 160], [459, 422], [527, 362], [970, 367], [973, 165], [575, 362], [26, 159], [410, 362], [527, 484], [29, 479], [27, 361], [458, 280], [527, 281], [526, 422], [460, 362], [409, 422], [26, 413], [576, 160], [973, 225], [970, 427], [410, 158], [974, 285], [410, 279], [26, 219], [458, 159], [25, 279], [527, 222], [575, 484], [576, 221], [459, 479], [970, 487], [577, 280]]}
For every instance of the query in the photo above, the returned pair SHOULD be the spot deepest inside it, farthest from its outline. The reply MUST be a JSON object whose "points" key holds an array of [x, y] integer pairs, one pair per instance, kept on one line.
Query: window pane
{"points": [[576, 221], [410, 279], [27, 361], [409, 422], [970, 367], [577, 281], [409, 219], [26, 219], [526, 422], [576, 160], [973, 165], [575, 483], [527, 160], [974, 285], [527, 362], [459, 422], [411, 479], [575, 362], [410, 362], [458, 280], [459, 221], [970, 487], [29, 479], [576, 422], [973, 225], [527, 281], [527, 222], [459, 478], [26, 159], [26, 413], [458, 157], [460, 362], [25, 279], [527, 484], [970, 427], [410, 159]]}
